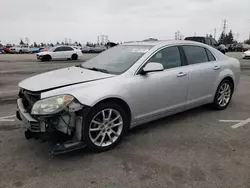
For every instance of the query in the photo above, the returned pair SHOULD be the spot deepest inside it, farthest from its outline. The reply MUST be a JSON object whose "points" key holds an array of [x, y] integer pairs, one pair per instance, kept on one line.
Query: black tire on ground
{"points": [[93, 112], [74, 57], [20, 52], [46, 58], [215, 103]]}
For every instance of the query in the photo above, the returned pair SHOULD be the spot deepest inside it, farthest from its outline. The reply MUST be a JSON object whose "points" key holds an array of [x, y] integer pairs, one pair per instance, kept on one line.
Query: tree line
{"points": [[43, 44]]}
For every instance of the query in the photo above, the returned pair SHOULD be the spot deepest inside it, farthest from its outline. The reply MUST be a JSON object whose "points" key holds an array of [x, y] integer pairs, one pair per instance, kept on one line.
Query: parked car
{"points": [[93, 104], [209, 41], [43, 49], [35, 50], [15, 49], [1, 48], [20, 49], [97, 49], [111, 44], [86, 49], [59, 52], [246, 54], [6, 49]]}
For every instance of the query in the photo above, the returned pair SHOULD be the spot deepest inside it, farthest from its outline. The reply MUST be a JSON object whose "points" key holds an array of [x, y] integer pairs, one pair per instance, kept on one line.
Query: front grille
{"points": [[29, 98], [35, 127]]}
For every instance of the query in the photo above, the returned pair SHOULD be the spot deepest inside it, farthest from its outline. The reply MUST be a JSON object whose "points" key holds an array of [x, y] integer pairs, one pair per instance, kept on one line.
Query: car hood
{"points": [[247, 52], [61, 78]]}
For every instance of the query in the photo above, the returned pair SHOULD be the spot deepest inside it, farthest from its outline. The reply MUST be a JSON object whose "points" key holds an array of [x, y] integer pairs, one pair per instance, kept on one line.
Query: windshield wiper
{"points": [[97, 69], [80, 65], [93, 68]]}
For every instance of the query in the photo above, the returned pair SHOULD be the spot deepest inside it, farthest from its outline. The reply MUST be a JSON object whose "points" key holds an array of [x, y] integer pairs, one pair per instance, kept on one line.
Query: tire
{"points": [[221, 101], [74, 57], [46, 58], [20, 52], [104, 143]]}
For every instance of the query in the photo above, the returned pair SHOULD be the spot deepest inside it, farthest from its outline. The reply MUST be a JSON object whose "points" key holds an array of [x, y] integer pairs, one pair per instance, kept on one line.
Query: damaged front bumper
{"points": [[63, 129]]}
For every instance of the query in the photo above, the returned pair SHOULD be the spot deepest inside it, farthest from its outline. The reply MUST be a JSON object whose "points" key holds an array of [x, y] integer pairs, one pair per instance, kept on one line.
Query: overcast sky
{"points": [[121, 20]]}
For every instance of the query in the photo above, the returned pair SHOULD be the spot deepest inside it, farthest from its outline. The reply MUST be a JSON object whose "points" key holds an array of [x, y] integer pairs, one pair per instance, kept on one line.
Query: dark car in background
{"points": [[209, 41], [93, 49], [1, 48]]}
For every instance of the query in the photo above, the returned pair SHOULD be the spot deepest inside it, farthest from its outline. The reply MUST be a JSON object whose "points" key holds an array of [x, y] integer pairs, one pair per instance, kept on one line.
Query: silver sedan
{"points": [[95, 103]]}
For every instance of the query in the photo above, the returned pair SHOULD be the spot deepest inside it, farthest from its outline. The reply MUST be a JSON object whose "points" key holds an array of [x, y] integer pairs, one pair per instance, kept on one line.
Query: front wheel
{"points": [[46, 58], [223, 95], [105, 126]]}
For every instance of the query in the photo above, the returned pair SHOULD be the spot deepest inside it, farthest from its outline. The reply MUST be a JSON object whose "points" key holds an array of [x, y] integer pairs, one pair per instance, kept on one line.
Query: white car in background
{"points": [[20, 49], [60, 53], [246, 54]]}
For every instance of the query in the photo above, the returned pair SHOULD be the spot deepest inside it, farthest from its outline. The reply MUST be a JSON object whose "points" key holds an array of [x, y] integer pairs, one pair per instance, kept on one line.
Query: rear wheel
{"points": [[74, 57], [223, 95], [105, 126]]}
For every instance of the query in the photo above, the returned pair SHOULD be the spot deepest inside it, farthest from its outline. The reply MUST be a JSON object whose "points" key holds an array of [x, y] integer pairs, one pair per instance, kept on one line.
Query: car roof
{"points": [[162, 43]]}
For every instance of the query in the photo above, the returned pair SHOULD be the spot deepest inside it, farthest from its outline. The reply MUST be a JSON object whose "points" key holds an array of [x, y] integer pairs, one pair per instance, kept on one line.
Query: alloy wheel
{"points": [[224, 94], [106, 127]]}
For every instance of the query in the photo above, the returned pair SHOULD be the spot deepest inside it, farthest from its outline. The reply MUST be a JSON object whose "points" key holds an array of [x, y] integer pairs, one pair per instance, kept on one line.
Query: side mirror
{"points": [[152, 67]]}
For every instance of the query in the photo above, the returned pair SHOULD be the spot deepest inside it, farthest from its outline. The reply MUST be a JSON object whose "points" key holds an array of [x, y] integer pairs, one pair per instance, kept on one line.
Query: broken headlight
{"points": [[51, 105]]}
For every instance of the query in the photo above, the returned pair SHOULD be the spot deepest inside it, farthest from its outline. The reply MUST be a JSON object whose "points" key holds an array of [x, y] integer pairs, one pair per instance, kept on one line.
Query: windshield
{"points": [[118, 59], [52, 49]]}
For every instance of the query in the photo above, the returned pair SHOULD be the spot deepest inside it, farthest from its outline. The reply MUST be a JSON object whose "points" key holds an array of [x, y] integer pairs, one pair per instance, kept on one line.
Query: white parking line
{"points": [[7, 118], [229, 121], [9, 91], [239, 123]]}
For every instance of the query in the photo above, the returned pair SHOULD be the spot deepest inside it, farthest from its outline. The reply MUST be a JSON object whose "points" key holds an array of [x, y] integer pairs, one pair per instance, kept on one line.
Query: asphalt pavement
{"points": [[200, 148]]}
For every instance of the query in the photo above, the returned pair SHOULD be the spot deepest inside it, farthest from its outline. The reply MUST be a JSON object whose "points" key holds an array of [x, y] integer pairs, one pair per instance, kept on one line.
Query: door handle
{"points": [[216, 67], [181, 74]]}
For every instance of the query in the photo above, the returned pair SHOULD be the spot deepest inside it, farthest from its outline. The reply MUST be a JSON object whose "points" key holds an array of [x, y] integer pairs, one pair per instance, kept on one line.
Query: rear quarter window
{"points": [[210, 56]]}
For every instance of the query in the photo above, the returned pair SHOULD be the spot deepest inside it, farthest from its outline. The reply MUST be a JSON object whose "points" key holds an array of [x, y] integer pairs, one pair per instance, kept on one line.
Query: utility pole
{"points": [[177, 35], [224, 26], [214, 33]]}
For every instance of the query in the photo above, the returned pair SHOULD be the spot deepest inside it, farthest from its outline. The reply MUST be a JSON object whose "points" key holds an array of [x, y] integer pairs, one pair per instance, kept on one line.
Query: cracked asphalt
{"points": [[190, 149]]}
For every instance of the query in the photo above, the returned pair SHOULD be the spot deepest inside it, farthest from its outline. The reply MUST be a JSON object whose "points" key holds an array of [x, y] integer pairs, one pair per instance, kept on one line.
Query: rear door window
{"points": [[195, 54]]}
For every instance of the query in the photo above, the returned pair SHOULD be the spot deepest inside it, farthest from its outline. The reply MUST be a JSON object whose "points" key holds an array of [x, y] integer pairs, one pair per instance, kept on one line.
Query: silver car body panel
{"points": [[149, 96], [61, 77]]}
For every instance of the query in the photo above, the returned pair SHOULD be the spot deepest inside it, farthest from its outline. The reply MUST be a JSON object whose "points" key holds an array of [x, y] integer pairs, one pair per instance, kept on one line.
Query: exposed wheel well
{"points": [[231, 80], [121, 102], [74, 56], [47, 57]]}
